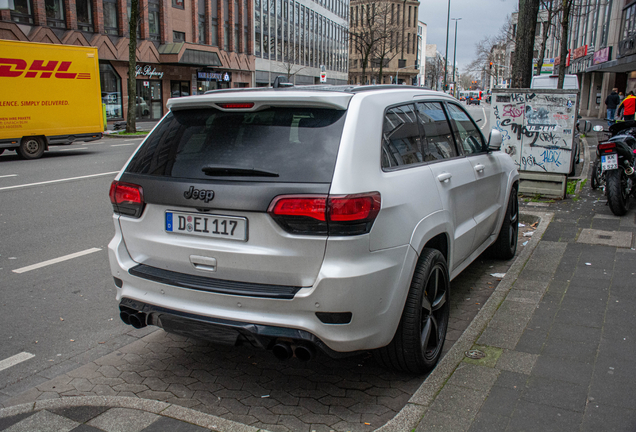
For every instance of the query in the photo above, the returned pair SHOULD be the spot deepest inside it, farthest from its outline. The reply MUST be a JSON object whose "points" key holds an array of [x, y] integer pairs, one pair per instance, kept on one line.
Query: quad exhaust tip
{"points": [[135, 319], [284, 351]]}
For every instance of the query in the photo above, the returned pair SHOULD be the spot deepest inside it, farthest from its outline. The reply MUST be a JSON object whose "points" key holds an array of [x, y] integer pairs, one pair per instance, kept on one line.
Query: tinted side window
{"points": [[466, 131], [437, 142], [400, 137]]}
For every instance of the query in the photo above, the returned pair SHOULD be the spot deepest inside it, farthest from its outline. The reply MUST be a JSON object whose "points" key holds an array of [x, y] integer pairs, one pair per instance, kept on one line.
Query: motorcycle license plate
{"points": [[609, 162]]}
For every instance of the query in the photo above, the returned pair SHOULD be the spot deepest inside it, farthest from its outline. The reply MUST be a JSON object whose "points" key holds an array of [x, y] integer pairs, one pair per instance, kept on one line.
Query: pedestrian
{"points": [[628, 106], [621, 95], [612, 101]]}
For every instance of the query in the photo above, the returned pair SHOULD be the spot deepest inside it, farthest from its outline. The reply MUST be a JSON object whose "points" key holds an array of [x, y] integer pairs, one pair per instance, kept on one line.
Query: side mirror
{"points": [[588, 126], [598, 128], [495, 140]]}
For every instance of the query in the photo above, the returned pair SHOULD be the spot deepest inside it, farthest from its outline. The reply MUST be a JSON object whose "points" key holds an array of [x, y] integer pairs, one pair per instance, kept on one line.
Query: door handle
{"points": [[479, 168], [444, 177]]}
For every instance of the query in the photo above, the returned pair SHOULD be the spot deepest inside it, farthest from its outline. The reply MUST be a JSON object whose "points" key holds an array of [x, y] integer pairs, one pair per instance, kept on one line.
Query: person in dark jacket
{"points": [[612, 101]]}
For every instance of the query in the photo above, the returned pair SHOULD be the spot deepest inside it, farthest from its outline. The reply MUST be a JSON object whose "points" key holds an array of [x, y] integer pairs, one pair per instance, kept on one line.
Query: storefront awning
{"points": [[182, 53], [624, 64]]}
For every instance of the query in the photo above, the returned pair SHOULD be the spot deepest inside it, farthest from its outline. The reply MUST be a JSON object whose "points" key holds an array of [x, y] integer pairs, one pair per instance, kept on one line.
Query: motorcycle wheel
{"points": [[596, 175], [617, 193]]}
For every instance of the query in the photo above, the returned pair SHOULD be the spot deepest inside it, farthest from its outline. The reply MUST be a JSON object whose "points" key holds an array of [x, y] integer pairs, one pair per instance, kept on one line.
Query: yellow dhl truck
{"points": [[50, 96]]}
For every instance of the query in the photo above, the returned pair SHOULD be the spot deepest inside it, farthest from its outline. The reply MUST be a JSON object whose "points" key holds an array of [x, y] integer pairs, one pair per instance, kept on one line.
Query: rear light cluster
{"points": [[607, 147], [127, 199], [338, 215]]}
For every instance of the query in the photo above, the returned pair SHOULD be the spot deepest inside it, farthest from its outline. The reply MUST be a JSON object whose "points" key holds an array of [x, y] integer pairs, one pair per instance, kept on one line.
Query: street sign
{"points": [[323, 77]]}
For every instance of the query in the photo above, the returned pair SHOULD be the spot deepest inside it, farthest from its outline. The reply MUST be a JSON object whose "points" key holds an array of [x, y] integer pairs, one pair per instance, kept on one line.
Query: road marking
{"points": [[74, 148], [14, 360], [56, 260], [120, 145], [58, 181], [484, 111], [9, 175]]}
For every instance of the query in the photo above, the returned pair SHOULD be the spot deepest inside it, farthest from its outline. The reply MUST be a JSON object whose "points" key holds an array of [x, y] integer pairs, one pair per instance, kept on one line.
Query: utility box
{"points": [[538, 128]]}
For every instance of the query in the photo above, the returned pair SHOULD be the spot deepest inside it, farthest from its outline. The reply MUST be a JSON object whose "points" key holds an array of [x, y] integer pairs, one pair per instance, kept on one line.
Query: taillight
{"points": [[243, 105], [127, 199], [607, 146], [340, 215]]}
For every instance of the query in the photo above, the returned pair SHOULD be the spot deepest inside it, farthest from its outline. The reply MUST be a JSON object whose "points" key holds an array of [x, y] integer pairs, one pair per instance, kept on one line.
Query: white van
{"points": [[570, 82]]}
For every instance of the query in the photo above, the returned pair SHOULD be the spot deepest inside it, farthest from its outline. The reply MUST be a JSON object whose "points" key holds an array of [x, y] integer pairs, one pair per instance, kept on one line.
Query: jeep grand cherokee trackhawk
{"points": [[315, 217]]}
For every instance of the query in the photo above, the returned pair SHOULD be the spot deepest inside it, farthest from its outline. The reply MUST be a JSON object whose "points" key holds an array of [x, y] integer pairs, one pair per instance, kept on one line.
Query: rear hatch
{"points": [[210, 171]]}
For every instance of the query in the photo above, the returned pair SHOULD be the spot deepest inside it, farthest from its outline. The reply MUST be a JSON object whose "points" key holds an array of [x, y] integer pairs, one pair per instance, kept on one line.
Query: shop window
{"points": [[177, 4], [149, 105], [55, 13], [153, 20], [84, 10], [110, 17], [178, 36], [179, 88], [111, 91], [23, 12]]}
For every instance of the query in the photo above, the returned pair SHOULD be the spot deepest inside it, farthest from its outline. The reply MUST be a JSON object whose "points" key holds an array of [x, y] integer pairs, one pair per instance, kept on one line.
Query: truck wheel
{"points": [[1, 151], [31, 148], [505, 246], [417, 344]]}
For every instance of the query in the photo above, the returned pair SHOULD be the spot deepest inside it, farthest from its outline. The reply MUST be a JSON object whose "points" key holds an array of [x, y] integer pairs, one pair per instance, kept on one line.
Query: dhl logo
{"points": [[13, 68]]}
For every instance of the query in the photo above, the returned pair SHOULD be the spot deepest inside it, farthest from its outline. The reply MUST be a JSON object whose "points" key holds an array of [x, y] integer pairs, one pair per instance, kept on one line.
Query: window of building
{"points": [[279, 31], [408, 43], [179, 88], [178, 36], [55, 13], [215, 23], [237, 27], [23, 12], [84, 11], [257, 28], [110, 17], [408, 22], [153, 20], [226, 25], [178, 4], [245, 28], [201, 21], [111, 91], [265, 29]]}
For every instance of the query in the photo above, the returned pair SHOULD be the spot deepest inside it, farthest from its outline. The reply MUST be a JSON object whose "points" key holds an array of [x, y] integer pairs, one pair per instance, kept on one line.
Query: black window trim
{"points": [[458, 145], [460, 154]]}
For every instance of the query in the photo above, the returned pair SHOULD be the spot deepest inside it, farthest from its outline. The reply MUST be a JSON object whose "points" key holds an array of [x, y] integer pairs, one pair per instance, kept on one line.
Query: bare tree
{"points": [[565, 27], [389, 42], [131, 119], [364, 36], [524, 43], [551, 10]]}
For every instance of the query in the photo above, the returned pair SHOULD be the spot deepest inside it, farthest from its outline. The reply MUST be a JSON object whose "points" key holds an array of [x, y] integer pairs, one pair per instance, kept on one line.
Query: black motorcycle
{"points": [[614, 165]]}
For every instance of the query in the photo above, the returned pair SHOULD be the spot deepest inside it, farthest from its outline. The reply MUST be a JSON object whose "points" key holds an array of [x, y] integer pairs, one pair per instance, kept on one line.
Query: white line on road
{"points": [[74, 148], [56, 260], [14, 360], [120, 145], [9, 175], [58, 181], [484, 111]]}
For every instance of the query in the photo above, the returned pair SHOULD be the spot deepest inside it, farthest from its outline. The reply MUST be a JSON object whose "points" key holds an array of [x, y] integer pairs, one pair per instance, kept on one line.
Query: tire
{"points": [[596, 175], [1, 151], [617, 195], [31, 148], [505, 246], [418, 341]]}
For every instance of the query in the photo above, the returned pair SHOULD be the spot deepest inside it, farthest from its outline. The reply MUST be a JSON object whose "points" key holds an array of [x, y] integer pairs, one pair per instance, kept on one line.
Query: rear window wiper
{"points": [[220, 170]]}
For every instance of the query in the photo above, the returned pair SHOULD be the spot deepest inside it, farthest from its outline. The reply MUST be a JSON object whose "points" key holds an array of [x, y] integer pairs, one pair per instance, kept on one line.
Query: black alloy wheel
{"points": [[505, 246], [617, 191], [418, 342]]}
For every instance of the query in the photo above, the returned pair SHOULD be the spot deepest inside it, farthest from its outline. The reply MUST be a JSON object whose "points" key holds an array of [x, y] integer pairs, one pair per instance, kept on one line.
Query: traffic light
{"points": [[490, 65]]}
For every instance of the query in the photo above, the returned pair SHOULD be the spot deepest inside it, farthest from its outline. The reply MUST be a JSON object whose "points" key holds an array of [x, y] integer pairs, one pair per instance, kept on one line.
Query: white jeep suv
{"points": [[317, 217]]}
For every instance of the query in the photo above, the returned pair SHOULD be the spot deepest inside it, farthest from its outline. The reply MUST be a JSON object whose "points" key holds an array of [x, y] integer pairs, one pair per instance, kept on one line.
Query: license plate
{"points": [[227, 227], [609, 162]]}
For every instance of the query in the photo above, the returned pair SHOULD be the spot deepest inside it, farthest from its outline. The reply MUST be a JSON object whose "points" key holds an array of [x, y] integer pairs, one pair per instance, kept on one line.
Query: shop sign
{"points": [[215, 76], [557, 60], [579, 52], [601, 56], [147, 71]]}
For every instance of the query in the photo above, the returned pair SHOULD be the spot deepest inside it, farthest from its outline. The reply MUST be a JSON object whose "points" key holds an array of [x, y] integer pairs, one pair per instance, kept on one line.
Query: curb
{"points": [[416, 408]]}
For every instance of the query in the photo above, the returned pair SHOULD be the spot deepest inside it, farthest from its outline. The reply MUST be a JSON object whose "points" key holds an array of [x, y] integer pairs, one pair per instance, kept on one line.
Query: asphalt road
{"points": [[55, 208], [57, 295]]}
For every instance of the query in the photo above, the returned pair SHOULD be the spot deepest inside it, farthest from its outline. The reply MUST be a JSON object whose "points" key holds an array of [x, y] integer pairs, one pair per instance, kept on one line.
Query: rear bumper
{"points": [[372, 287]]}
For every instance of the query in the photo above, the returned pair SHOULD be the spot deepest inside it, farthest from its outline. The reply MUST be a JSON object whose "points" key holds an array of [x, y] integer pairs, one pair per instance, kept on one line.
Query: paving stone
{"points": [[123, 420], [487, 422], [133, 388], [463, 402], [43, 421], [474, 377], [600, 417], [577, 351], [180, 390], [9, 421], [501, 401], [517, 361], [435, 421], [558, 394], [563, 370], [80, 414], [167, 424], [82, 384], [606, 238], [530, 416], [109, 371]]}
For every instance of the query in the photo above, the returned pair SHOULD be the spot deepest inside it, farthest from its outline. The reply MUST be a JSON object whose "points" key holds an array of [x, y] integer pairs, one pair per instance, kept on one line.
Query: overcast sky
{"points": [[480, 18]]}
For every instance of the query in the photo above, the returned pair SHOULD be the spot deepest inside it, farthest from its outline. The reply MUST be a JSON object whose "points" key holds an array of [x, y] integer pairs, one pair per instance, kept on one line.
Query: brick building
{"points": [[184, 47]]}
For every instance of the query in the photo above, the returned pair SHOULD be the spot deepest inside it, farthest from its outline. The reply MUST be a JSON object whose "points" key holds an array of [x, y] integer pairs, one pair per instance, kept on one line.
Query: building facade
{"points": [[384, 42], [301, 39], [183, 47]]}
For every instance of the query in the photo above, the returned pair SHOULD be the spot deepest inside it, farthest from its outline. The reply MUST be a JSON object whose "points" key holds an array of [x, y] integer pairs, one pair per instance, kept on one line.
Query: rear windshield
{"points": [[275, 144]]}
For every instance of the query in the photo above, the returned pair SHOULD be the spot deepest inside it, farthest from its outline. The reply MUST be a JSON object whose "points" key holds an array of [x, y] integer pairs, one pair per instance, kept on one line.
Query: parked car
{"points": [[330, 218]]}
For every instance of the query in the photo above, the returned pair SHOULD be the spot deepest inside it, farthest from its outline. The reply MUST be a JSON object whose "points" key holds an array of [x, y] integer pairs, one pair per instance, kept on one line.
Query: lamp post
{"points": [[454, 58], [446, 55]]}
